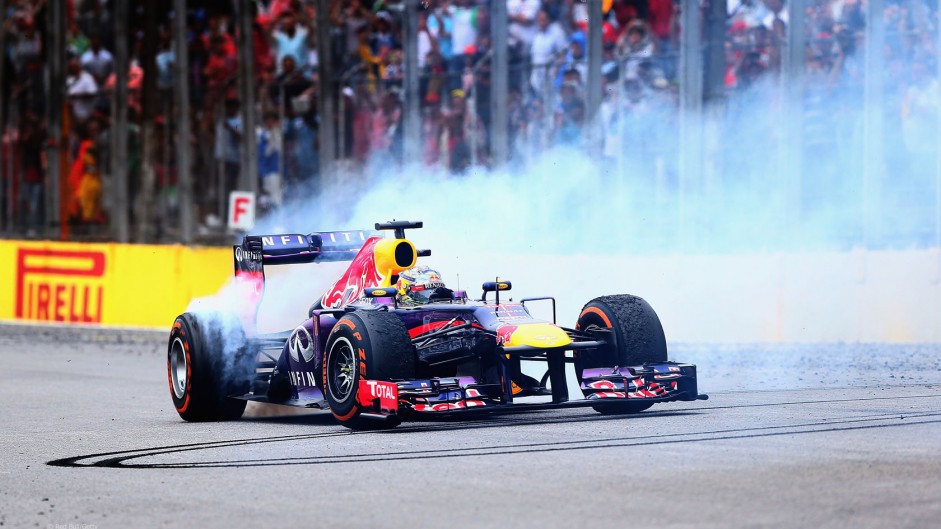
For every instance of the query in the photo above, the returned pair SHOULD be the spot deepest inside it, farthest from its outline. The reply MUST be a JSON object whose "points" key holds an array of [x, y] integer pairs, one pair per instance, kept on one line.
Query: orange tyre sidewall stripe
{"points": [[348, 416], [189, 372], [597, 311]]}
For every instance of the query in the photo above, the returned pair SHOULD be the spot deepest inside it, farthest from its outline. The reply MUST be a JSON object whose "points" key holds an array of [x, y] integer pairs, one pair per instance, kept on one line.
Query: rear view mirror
{"points": [[493, 286], [387, 292]]}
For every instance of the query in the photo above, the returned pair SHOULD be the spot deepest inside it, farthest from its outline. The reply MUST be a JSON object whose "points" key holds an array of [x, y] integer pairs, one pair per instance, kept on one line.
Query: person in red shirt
{"points": [[661, 18], [221, 68], [217, 29]]}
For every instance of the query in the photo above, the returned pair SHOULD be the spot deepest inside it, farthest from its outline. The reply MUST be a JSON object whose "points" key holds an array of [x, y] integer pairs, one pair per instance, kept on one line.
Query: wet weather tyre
{"points": [[202, 373], [634, 335], [370, 345]]}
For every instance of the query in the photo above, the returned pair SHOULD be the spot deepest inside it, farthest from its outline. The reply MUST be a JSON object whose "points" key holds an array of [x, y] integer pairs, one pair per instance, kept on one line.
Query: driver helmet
{"points": [[420, 285]]}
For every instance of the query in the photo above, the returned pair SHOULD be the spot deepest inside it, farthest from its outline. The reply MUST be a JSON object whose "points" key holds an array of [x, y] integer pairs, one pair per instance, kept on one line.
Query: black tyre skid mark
{"points": [[119, 459]]}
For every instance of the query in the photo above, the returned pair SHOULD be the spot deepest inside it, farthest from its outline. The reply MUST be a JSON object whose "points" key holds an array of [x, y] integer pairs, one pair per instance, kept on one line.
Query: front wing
{"points": [[660, 382]]}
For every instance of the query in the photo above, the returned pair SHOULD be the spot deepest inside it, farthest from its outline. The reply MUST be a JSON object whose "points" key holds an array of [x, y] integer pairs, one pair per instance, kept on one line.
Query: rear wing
{"points": [[374, 261], [257, 251]]}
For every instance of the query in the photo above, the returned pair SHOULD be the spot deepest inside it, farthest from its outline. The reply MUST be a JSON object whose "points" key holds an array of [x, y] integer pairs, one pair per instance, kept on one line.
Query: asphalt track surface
{"points": [[793, 436]]}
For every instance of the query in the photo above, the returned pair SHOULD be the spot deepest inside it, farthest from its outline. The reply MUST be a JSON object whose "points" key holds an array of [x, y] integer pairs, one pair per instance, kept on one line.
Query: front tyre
{"points": [[633, 334], [364, 345], [207, 360]]}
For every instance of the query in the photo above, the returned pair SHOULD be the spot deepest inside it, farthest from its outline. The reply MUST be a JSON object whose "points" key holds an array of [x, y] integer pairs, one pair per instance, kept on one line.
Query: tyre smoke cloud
{"points": [[758, 188], [771, 182]]}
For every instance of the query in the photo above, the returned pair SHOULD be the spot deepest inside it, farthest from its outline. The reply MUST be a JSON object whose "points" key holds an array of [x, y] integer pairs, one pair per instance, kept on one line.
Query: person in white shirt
{"points": [[465, 26], [426, 40], [290, 39], [548, 42], [776, 18], [82, 91], [97, 60], [522, 17]]}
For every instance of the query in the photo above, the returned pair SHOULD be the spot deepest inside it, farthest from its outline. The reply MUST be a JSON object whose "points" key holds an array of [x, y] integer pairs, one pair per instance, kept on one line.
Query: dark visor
{"points": [[430, 294]]}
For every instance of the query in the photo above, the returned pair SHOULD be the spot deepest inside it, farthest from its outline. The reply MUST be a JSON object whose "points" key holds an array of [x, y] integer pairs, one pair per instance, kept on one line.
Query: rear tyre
{"points": [[634, 335], [208, 360], [365, 344]]}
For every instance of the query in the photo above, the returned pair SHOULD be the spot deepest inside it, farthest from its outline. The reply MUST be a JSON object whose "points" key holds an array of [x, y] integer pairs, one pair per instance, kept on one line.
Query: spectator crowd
{"points": [[547, 98]]}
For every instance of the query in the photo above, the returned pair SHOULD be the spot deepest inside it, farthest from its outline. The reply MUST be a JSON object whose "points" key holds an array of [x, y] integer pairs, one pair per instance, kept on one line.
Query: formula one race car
{"points": [[374, 359]]}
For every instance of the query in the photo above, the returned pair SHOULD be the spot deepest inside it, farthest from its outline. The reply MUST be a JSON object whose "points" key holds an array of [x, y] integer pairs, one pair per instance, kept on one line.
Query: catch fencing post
{"points": [[3, 128], [620, 114], [55, 92], [181, 93], [714, 21], [282, 157], [341, 122], [326, 95], [147, 215], [548, 127], [691, 99], [221, 198], [248, 175], [412, 107], [937, 152], [499, 84], [791, 163], [873, 119], [119, 129], [594, 83]]}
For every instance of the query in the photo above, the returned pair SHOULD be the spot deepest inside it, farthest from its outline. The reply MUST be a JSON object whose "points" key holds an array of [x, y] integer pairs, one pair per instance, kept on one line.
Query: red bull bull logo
{"points": [[360, 275]]}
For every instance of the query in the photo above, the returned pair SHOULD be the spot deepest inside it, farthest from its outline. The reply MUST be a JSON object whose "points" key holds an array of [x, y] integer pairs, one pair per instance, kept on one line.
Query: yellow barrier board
{"points": [[109, 284]]}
